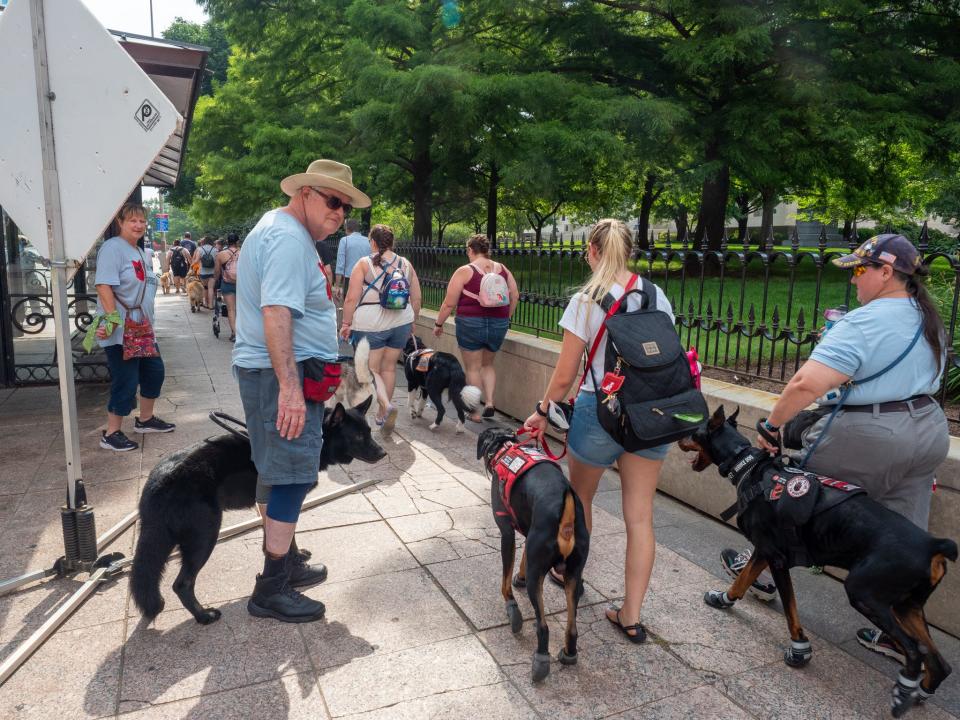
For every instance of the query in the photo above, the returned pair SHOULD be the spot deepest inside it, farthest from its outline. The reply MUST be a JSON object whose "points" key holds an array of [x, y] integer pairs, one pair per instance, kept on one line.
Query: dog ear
{"points": [[364, 406], [334, 418], [717, 419], [733, 418]]}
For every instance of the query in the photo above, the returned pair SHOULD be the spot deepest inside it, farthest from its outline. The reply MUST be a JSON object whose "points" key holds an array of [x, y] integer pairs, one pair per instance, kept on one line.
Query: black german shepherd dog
{"points": [[186, 493], [550, 515], [893, 565], [443, 372]]}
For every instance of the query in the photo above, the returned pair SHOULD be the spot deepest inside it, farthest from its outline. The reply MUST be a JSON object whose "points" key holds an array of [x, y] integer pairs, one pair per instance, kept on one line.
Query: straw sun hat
{"points": [[326, 174]]}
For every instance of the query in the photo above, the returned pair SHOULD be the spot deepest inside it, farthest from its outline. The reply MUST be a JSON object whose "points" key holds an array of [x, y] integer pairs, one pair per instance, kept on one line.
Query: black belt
{"points": [[917, 401]]}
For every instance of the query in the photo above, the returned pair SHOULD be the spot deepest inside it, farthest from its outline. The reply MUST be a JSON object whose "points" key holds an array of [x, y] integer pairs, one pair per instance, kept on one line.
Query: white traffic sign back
{"points": [[110, 121]]}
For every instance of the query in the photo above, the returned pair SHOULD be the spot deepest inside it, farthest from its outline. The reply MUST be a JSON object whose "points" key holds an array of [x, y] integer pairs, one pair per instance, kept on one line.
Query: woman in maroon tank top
{"points": [[481, 328]]}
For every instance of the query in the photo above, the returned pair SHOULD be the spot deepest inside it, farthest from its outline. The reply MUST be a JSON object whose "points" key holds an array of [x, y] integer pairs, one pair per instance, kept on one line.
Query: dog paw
{"points": [[209, 615], [519, 582], [516, 619], [434, 426], [540, 668], [566, 659], [798, 654], [718, 599]]}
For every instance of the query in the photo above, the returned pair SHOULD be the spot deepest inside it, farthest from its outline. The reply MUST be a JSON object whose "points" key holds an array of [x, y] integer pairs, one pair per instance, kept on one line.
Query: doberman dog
{"points": [[893, 565], [529, 494]]}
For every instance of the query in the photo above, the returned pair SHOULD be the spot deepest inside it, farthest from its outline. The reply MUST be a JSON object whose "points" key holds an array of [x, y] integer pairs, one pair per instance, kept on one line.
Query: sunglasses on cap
{"points": [[333, 202]]}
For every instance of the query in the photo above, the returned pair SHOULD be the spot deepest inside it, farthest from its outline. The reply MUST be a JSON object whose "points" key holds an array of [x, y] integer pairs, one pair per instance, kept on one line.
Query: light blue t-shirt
{"points": [[124, 268], [279, 265], [351, 248], [871, 337]]}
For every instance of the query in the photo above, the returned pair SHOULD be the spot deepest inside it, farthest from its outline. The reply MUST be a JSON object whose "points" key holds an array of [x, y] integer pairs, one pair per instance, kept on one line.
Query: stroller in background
{"points": [[219, 310]]}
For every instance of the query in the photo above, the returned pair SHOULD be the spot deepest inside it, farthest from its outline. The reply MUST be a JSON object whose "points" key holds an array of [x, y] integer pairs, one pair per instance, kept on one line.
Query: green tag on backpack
{"points": [[689, 418]]}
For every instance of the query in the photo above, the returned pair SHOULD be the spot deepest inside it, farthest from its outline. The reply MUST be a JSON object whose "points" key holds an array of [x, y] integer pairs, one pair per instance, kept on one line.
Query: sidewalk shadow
{"points": [[227, 654]]}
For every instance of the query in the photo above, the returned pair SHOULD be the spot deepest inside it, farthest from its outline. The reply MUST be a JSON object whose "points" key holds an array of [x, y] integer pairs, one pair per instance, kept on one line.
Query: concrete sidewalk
{"points": [[415, 624]]}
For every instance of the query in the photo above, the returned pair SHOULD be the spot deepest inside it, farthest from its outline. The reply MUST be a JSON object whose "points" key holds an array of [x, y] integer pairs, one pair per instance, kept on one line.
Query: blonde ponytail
{"points": [[613, 241]]}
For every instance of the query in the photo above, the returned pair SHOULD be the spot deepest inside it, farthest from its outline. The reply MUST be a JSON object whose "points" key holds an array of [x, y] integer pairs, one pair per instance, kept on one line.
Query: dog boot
{"points": [[301, 574], [274, 598]]}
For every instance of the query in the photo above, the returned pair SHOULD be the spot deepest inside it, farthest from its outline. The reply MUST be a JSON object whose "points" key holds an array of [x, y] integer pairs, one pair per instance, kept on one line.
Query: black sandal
{"points": [[639, 632]]}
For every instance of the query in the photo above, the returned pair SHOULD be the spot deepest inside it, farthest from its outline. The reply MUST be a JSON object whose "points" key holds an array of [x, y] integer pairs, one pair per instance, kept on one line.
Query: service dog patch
{"points": [[798, 486]]}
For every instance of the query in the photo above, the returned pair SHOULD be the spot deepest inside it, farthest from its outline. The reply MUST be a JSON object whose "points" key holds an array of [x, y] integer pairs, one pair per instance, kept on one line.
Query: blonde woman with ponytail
{"points": [[591, 449]]}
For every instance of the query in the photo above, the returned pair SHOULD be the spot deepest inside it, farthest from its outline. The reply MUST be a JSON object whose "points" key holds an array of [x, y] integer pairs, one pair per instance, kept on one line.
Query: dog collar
{"points": [[743, 464]]}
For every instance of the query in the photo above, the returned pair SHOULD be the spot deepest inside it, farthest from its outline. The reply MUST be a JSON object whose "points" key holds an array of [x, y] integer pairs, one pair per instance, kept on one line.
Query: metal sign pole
{"points": [[76, 517]]}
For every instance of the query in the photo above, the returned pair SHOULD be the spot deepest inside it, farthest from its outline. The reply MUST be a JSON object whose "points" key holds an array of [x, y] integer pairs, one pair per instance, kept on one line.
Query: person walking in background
{"points": [[286, 315], [225, 273], [592, 450], [179, 261], [126, 286], [352, 247], [188, 244], [373, 311], [890, 435], [206, 258], [485, 295]]}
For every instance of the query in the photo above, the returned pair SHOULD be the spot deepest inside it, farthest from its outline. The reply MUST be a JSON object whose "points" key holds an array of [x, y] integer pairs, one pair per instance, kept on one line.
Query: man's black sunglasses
{"points": [[333, 202]]}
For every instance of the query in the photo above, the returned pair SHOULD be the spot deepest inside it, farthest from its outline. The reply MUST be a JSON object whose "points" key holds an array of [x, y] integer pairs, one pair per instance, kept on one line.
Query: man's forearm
{"points": [[278, 333]]}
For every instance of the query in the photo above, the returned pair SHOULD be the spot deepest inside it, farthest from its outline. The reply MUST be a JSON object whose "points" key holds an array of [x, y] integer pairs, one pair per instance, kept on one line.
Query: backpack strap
{"points": [[614, 306]]}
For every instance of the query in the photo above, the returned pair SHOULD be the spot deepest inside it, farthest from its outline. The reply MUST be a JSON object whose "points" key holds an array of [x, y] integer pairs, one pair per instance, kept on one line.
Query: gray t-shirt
{"points": [[122, 266]]}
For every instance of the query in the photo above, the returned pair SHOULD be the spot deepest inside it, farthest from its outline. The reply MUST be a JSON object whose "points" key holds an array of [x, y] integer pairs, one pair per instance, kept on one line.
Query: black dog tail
{"points": [[149, 561]]}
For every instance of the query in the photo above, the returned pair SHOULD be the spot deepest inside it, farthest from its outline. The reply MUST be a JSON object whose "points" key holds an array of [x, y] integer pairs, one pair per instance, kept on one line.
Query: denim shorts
{"points": [[278, 461], [589, 443], [395, 338], [481, 333], [127, 375], [228, 288]]}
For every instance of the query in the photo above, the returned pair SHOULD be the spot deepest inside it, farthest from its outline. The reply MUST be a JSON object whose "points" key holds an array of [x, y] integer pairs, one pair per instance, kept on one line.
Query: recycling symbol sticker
{"points": [[147, 115]]}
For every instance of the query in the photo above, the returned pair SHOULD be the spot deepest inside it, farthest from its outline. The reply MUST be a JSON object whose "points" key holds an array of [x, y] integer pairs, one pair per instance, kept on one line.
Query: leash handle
{"points": [[765, 434], [540, 438], [222, 419]]}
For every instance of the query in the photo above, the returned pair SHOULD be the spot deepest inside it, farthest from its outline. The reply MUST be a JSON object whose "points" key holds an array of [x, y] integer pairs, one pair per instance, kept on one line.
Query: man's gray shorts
{"points": [[278, 461], [893, 456]]}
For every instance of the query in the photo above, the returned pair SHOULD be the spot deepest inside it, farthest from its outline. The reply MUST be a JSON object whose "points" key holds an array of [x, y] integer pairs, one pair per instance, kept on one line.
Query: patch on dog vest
{"points": [[510, 464], [420, 359]]}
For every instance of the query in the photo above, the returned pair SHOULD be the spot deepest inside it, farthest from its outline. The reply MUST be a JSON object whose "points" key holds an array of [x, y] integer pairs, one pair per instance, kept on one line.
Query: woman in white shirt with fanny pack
{"points": [[386, 329]]}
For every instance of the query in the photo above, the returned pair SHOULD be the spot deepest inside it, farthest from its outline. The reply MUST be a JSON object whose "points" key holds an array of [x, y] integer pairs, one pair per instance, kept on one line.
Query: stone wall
{"points": [[525, 363]]}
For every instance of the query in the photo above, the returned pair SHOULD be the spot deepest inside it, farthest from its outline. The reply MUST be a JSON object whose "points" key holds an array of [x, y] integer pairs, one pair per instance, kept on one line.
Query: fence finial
{"points": [[924, 240], [854, 237], [822, 240], [795, 240]]}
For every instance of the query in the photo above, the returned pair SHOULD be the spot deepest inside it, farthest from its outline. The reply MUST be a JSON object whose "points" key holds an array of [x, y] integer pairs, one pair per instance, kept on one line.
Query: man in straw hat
{"points": [[285, 314]]}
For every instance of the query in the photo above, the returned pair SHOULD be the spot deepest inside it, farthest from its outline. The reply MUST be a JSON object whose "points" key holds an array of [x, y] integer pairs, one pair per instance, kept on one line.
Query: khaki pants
{"points": [[893, 456]]}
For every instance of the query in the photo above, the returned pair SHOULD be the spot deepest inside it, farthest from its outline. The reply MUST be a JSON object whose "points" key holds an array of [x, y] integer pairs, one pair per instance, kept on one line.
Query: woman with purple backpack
{"points": [[485, 296]]}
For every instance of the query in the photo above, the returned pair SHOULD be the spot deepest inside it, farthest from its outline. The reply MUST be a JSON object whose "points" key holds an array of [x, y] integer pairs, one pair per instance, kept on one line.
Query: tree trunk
{"points": [[366, 216], [847, 230], [711, 219], [646, 205], [492, 201], [743, 217], [770, 198], [681, 221]]}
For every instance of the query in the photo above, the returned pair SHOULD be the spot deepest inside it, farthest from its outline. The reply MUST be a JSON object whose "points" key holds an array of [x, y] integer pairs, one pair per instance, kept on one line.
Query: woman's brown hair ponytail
{"points": [[933, 328]]}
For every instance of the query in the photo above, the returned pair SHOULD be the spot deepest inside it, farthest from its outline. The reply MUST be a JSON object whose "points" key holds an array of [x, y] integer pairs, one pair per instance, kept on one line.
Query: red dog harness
{"points": [[510, 463]]}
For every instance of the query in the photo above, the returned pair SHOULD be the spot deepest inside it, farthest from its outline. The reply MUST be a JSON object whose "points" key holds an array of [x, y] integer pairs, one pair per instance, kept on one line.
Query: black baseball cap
{"points": [[889, 249]]}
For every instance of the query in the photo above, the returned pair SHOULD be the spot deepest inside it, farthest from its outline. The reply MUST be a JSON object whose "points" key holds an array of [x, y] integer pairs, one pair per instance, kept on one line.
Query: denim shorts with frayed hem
{"points": [[278, 461], [589, 443], [127, 375], [395, 338], [481, 333]]}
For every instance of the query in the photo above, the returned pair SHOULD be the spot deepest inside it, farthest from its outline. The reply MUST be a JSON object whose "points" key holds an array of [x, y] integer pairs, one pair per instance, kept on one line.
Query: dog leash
{"points": [[542, 439], [222, 419]]}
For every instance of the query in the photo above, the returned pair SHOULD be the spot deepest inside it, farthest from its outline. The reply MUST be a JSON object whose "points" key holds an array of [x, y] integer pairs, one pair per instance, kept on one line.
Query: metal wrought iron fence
{"points": [[753, 313]]}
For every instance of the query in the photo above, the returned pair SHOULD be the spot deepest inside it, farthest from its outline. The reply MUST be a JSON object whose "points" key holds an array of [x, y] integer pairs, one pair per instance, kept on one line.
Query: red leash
{"points": [[541, 437]]}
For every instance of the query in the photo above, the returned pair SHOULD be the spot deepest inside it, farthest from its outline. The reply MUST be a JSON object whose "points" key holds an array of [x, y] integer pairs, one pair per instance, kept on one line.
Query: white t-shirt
{"points": [[583, 317], [371, 317]]}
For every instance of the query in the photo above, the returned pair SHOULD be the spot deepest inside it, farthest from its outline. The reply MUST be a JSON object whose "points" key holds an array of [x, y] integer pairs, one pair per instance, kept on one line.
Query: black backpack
{"points": [[207, 258], [647, 396], [178, 260]]}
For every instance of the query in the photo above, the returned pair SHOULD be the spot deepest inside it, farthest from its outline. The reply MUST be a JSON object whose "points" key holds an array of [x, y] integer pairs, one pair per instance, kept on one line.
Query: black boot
{"points": [[299, 572], [274, 598]]}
